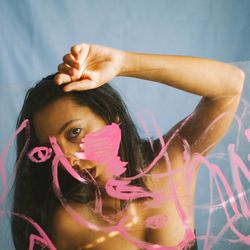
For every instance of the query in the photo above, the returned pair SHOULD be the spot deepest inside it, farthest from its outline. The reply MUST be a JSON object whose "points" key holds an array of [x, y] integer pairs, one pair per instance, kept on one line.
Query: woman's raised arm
{"points": [[220, 84], [200, 76]]}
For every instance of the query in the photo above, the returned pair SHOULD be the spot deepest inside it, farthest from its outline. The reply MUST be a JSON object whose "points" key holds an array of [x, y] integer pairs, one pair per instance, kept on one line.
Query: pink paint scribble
{"points": [[103, 146], [40, 154], [247, 133], [121, 188], [25, 124], [42, 239], [156, 221]]}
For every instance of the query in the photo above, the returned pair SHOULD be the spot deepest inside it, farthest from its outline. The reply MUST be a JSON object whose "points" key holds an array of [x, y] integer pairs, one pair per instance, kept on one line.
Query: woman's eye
{"points": [[74, 132]]}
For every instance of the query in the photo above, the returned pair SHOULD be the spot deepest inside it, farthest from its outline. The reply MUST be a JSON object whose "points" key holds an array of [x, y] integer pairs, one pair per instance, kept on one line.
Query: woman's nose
{"points": [[74, 162], [78, 164]]}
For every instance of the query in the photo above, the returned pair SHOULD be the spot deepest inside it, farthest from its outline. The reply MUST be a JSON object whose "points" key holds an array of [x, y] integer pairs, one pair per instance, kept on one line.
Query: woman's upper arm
{"points": [[203, 130], [209, 122]]}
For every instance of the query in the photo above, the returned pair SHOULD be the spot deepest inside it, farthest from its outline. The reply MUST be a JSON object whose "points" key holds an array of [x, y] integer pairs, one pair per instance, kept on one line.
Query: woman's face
{"points": [[69, 122]]}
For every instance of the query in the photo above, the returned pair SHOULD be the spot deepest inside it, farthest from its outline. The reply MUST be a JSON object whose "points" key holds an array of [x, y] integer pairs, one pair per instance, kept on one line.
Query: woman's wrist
{"points": [[127, 63]]}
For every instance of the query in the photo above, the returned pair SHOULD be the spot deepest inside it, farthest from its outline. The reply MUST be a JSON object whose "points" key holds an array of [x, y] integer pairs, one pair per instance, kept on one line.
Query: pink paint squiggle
{"points": [[102, 147], [40, 154], [42, 240], [25, 124], [156, 221], [216, 174]]}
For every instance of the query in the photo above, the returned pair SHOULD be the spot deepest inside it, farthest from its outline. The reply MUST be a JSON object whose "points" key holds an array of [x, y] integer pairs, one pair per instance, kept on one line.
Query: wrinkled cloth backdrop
{"points": [[36, 34]]}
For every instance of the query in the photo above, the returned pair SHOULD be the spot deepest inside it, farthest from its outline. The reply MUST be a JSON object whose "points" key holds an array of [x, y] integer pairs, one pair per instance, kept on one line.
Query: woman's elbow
{"points": [[239, 82]]}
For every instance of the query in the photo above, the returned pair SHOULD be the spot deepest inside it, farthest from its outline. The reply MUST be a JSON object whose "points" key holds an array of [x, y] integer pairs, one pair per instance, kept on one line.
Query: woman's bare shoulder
{"points": [[67, 231]]}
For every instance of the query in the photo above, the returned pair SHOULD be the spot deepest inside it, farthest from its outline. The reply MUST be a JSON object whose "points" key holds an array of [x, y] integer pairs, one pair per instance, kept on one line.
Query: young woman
{"points": [[76, 104]]}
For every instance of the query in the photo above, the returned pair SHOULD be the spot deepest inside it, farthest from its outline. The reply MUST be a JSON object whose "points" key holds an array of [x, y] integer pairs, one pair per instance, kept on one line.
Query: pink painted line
{"points": [[42, 240], [3, 157]]}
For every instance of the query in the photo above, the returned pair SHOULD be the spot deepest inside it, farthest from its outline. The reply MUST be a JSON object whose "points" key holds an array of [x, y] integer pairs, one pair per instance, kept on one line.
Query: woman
{"points": [[76, 104]]}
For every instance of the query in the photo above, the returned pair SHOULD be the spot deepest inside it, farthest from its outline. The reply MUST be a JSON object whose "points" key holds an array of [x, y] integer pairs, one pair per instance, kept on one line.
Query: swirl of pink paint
{"points": [[40, 154], [156, 221]]}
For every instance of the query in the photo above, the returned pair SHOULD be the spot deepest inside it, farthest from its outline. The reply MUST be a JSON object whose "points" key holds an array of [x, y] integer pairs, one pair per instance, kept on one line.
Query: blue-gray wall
{"points": [[36, 34]]}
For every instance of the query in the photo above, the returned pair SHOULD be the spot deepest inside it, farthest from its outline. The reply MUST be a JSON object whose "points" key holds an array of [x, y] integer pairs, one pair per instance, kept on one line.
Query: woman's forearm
{"points": [[89, 66], [200, 76]]}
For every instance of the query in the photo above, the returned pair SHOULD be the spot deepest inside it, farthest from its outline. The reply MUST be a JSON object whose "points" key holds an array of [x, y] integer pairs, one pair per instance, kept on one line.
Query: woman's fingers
{"points": [[84, 84], [68, 74], [80, 52], [62, 79], [73, 64], [75, 50], [81, 85], [74, 71], [71, 61], [66, 69]]}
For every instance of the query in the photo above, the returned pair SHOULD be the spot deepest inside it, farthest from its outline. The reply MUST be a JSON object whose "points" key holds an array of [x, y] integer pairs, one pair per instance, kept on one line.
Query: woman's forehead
{"points": [[50, 119]]}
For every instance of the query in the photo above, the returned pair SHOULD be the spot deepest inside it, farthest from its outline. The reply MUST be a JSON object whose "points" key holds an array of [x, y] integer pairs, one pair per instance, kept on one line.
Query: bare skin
{"points": [[90, 66]]}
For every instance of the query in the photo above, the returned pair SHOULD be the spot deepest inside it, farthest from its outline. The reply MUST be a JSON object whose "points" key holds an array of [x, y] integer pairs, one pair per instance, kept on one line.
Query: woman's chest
{"points": [[137, 227], [123, 231], [132, 229]]}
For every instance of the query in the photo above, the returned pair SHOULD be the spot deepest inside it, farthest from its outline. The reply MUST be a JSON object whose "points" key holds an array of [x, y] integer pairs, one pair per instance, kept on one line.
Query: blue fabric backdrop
{"points": [[36, 34]]}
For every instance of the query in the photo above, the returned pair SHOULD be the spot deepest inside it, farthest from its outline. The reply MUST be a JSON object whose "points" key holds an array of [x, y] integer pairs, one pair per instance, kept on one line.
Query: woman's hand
{"points": [[88, 66]]}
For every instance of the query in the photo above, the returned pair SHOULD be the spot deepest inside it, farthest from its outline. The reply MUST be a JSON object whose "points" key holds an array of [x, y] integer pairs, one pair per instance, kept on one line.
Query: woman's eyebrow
{"points": [[65, 125]]}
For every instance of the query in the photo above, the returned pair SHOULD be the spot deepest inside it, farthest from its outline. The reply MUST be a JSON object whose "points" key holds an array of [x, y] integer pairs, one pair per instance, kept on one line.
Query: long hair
{"points": [[33, 192]]}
